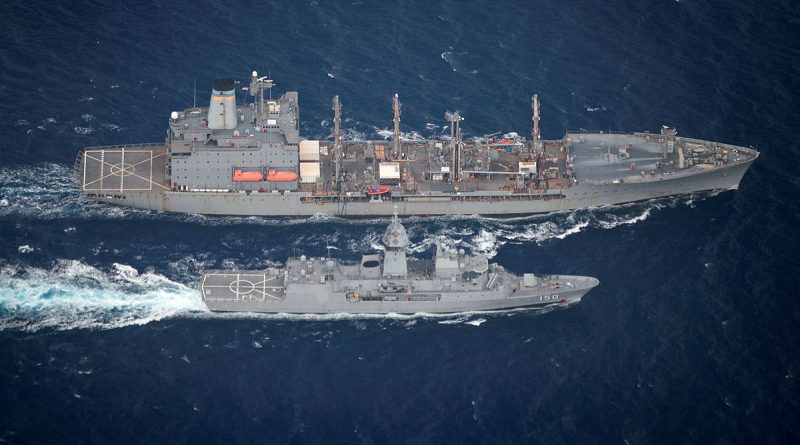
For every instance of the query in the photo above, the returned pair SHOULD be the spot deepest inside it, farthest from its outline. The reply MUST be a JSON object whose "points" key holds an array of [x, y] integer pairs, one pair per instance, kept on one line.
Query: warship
{"points": [[388, 283], [243, 155]]}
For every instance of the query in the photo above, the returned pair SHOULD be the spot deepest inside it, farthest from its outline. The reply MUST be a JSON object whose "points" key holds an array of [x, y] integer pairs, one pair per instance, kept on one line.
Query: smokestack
{"points": [[222, 109]]}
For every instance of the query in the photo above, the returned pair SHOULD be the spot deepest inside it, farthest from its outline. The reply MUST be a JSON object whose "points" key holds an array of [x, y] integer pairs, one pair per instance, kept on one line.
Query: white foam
{"points": [[573, 230], [25, 249], [619, 221], [447, 56], [453, 321], [384, 133], [466, 317], [359, 319], [485, 242], [111, 127], [351, 134], [75, 295]]}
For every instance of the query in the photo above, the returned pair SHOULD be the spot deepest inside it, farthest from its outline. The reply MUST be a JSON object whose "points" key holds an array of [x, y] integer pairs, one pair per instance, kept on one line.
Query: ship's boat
{"points": [[247, 176], [281, 175], [380, 190]]}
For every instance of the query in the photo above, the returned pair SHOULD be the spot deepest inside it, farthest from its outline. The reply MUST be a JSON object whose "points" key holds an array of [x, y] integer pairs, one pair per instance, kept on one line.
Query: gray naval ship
{"points": [[243, 155], [388, 283]]}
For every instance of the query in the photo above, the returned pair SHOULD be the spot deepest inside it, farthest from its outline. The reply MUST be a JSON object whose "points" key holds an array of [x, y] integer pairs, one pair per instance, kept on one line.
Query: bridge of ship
{"points": [[123, 168], [261, 286]]}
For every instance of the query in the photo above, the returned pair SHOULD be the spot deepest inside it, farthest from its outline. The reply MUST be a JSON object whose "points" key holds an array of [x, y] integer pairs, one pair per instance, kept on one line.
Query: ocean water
{"points": [[692, 336]]}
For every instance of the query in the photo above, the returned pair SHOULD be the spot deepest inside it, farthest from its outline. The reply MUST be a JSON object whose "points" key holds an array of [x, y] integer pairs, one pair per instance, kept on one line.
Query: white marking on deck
{"points": [[84, 170], [122, 169], [241, 288], [102, 162], [150, 183]]}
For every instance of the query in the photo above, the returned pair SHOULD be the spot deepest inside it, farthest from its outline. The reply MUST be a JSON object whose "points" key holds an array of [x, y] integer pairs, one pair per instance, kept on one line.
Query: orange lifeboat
{"points": [[281, 175], [380, 190], [245, 176]]}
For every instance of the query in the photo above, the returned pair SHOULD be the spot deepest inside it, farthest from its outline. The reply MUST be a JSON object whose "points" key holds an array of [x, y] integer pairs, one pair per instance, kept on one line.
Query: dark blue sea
{"points": [[692, 337]]}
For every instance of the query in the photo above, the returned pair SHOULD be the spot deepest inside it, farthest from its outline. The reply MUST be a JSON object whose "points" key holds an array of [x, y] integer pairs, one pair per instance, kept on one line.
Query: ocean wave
{"points": [[75, 295]]}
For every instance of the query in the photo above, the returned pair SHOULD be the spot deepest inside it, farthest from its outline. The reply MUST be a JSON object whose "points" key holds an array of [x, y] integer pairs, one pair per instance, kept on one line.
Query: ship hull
{"points": [[304, 204], [324, 301]]}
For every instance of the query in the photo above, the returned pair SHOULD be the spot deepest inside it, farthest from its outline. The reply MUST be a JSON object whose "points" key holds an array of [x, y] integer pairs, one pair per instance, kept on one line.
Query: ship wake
{"points": [[74, 295]]}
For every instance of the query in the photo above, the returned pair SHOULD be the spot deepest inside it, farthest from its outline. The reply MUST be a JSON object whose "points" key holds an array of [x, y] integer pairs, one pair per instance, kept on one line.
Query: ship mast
{"points": [[455, 144], [257, 87], [396, 133], [337, 137], [536, 136]]}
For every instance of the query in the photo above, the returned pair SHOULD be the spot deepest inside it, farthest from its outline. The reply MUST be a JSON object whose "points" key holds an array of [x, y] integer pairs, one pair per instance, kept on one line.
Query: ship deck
{"points": [[243, 286], [487, 168], [123, 168]]}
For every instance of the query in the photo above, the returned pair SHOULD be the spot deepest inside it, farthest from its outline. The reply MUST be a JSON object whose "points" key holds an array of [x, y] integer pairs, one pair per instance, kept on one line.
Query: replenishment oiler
{"points": [[389, 283], [243, 155]]}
